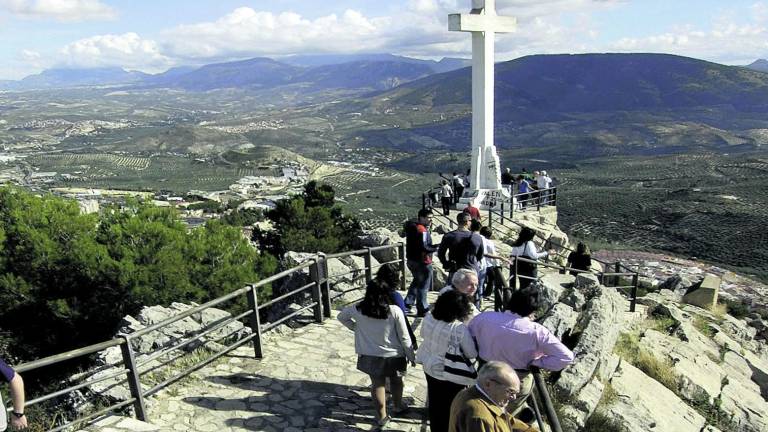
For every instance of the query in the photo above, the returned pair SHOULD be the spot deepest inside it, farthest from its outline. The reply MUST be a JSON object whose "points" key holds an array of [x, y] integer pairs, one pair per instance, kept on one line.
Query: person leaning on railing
{"points": [[524, 247], [18, 418], [515, 338]]}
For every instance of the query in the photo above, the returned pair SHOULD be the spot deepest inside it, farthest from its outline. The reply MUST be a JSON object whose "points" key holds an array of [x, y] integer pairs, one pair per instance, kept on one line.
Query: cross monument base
{"points": [[485, 199]]}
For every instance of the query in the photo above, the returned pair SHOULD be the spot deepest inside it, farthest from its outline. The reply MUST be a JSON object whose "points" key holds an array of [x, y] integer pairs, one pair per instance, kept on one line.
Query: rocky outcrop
{"points": [[164, 340], [588, 316]]}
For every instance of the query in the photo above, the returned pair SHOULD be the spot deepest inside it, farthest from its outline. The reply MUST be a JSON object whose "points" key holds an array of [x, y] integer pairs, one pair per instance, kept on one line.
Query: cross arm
{"points": [[481, 23]]}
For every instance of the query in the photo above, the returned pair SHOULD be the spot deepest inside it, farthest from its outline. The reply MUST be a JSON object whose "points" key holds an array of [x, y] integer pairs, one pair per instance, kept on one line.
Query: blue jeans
{"points": [[422, 282], [480, 286]]}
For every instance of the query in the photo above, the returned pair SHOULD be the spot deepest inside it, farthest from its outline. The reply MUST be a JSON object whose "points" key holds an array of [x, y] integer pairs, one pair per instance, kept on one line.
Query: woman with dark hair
{"points": [[524, 247], [382, 344], [444, 325], [580, 259], [389, 274]]}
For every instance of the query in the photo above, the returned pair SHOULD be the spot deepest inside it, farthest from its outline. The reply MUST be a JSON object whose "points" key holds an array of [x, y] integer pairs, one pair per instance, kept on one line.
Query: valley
{"points": [[676, 165]]}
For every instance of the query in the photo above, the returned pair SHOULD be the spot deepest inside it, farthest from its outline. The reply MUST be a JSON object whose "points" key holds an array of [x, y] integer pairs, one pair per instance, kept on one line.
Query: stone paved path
{"points": [[306, 381]]}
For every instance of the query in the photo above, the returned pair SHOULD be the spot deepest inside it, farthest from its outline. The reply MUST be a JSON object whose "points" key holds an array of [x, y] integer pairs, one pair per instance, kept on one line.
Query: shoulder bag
{"points": [[457, 367]]}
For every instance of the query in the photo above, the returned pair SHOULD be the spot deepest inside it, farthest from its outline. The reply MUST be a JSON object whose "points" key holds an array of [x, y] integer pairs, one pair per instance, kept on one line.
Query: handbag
{"points": [[458, 368]]}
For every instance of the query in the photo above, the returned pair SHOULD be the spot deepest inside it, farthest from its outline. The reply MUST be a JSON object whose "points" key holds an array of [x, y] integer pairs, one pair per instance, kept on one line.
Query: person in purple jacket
{"points": [[514, 338], [18, 419]]}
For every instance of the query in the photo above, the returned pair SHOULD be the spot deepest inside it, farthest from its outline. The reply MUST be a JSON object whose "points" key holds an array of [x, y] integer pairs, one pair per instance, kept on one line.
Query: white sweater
{"points": [[528, 250], [436, 336], [379, 337]]}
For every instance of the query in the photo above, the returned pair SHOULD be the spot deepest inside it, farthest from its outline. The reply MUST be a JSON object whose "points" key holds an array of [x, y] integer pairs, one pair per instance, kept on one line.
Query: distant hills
{"points": [[317, 72], [759, 65], [577, 106]]}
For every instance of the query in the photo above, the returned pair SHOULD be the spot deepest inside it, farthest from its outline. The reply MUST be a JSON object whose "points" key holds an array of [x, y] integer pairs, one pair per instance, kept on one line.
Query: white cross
{"points": [[483, 23]]}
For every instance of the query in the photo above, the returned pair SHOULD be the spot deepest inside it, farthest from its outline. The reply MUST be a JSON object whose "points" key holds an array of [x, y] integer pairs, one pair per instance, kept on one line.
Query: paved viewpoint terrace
{"points": [[307, 381]]}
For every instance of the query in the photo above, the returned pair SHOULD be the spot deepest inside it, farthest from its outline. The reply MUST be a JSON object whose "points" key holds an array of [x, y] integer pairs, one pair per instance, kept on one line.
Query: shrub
{"points": [[603, 422], [628, 347], [736, 309], [703, 325]]}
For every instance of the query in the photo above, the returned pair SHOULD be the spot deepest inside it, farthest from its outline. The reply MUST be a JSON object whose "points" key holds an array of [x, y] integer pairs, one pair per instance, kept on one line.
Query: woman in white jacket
{"points": [[446, 322], [383, 345], [524, 247]]}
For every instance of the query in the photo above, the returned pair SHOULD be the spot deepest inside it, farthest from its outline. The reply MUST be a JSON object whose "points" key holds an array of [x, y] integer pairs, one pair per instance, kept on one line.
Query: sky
{"points": [[155, 35]]}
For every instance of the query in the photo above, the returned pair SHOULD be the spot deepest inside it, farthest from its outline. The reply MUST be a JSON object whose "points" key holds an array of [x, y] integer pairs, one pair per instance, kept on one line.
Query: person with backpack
{"points": [[16, 384], [418, 254], [461, 248]]}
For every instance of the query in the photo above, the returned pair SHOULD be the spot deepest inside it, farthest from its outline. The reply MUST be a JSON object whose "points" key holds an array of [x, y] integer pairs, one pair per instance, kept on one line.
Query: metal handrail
{"points": [[321, 305]]}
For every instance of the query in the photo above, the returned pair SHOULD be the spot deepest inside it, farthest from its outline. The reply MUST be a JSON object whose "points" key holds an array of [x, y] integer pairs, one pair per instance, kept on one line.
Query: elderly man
{"points": [[482, 408], [464, 281], [513, 338], [18, 419]]}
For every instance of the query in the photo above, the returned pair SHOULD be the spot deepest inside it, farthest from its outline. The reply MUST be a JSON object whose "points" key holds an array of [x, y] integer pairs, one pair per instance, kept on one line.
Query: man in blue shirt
{"points": [[18, 419]]}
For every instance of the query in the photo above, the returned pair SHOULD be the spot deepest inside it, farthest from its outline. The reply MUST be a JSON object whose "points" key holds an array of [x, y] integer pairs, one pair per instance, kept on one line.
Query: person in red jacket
{"points": [[418, 252]]}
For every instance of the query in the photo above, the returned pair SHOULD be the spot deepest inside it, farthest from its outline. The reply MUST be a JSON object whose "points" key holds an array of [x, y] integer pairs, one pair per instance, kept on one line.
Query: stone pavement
{"points": [[307, 381]]}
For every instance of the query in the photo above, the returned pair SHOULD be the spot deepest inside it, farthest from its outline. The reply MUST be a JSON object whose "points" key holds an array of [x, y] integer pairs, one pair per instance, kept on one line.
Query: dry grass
{"points": [[662, 370]]}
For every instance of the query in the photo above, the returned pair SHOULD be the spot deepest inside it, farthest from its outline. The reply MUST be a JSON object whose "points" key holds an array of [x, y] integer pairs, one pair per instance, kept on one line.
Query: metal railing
{"points": [[131, 370]]}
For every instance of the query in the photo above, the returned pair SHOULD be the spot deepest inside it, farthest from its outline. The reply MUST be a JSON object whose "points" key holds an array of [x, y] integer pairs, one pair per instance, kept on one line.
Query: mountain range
{"points": [[316, 72]]}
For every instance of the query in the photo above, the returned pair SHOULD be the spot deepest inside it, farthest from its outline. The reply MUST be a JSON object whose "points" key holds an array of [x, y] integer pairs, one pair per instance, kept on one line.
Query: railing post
{"points": [[133, 379], [423, 200], [541, 386], [401, 251], [554, 196], [325, 287], [617, 278], [512, 206], [255, 322], [490, 217], [368, 265], [635, 281], [317, 298]]}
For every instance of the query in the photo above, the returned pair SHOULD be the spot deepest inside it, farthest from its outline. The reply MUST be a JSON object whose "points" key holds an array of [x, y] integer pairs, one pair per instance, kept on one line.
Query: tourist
{"points": [[464, 281], [460, 248], [475, 226], [515, 339], [458, 187], [389, 275], [543, 182], [580, 259], [472, 211], [495, 283], [446, 198], [507, 180], [418, 253], [524, 191], [382, 345], [442, 327], [525, 248], [482, 407], [16, 385]]}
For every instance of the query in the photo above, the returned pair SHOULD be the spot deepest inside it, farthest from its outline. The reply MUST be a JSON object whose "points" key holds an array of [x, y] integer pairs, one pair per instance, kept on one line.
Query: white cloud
{"points": [[127, 50], [61, 10], [727, 42], [246, 31]]}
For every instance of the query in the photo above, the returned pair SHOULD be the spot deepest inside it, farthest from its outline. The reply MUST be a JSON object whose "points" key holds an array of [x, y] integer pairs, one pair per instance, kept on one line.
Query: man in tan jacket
{"points": [[481, 408]]}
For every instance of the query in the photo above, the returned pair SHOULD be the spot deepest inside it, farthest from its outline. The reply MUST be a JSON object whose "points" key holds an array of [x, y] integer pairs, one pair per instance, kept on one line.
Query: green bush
{"points": [[66, 279], [736, 309], [310, 223]]}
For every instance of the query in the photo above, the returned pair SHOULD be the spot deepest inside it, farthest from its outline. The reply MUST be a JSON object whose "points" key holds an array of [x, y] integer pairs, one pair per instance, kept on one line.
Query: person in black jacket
{"points": [[461, 248], [580, 259], [418, 253]]}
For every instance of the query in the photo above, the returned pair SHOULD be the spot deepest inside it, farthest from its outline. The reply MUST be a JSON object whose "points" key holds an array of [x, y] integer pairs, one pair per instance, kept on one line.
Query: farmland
{"points": [[708, 206]]}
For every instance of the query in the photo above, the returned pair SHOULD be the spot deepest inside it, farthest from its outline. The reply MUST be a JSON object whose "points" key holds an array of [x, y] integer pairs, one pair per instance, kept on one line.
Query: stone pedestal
{"points": [[704, 295], [485, 199]]}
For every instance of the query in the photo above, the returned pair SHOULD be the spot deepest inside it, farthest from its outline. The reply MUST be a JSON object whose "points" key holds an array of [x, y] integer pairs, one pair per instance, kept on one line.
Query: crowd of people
{"points": [[477, 364], [528, 189]]}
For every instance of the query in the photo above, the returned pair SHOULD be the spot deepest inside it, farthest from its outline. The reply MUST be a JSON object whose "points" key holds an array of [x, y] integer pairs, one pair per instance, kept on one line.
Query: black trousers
{"points": [[446, 202], [440, 394]]}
